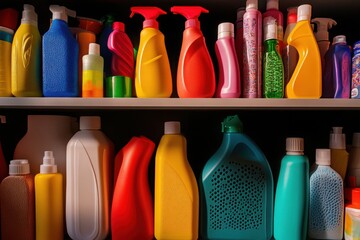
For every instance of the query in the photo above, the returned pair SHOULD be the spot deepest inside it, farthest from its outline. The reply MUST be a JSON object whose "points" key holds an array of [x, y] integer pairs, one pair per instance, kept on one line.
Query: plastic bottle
{"points": [[306, 80], [18, 202], [339, 155], [337, 78], [273, 69], [289, 54], [326, 208], [239, 41], [237, 188], [176, 207], [272, 10], [60, 55], [105, 52], [292, 193], [195, 72], [6, 38], [93, 73], [132, 204], [119, 43], [352, 219], [89, 157], [26, 56], [49, 205], [152, 71], [229, 72], [353, 168], [323, 25], [252, 52], [355, 71]]}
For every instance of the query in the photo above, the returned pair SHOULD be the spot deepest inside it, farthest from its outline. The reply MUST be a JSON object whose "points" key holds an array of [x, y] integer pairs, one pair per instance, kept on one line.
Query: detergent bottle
{"points": [[306, 80], [195, 73], [152, 71], [26, 56]]}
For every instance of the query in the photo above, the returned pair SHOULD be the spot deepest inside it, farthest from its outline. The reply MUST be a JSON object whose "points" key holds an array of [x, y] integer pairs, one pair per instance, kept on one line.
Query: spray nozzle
{"points": [[191, 13], [150, 14], [323, 25], [61, 12], [270, 28]]}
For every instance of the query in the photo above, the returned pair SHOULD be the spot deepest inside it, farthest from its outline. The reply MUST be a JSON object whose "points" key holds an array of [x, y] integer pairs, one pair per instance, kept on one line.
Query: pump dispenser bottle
{"points": [[93, 73], [306, 80], [60, 53], [195, 72], [152, 72], [26, 56], [229, 72], [339, 155]]}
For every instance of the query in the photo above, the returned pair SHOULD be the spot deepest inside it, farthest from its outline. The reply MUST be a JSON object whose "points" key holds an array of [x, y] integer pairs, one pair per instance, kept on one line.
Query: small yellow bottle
{"points": [[49, 206], [306, 80], [176, 190]]}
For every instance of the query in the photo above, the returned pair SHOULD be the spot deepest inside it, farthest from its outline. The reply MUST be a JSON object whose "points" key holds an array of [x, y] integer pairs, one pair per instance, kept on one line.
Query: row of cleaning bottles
{"points": [[90, 193]]}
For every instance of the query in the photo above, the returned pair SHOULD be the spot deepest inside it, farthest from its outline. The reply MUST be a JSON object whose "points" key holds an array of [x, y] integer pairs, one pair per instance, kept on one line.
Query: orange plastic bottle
{"points": [[195, 73], [306, 79]]}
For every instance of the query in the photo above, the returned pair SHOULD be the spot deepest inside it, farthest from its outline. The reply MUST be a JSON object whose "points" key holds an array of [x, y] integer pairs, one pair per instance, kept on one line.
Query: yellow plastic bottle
{"points": [[6, 37], [176, 208], [49, 205], [305, 81], [339, 155], [152, 71]]}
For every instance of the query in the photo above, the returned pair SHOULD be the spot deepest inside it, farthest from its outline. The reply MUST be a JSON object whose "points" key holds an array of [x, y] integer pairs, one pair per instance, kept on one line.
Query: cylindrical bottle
{"points": [[272, 10], [339, 154], [49, 200], [132, 203], [292, 193], [252, 73], [89, 156], [18, 202], [353, 168], [352, 219], [26, 56], [93, 73], [6, 38], [273, 69], [176, 190], [337, 79], [355, 71], [326, 208], [229, 72], [239, 40]]}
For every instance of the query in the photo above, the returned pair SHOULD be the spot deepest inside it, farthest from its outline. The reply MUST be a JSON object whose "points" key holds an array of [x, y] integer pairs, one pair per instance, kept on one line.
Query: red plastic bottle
{"points": [[132, 211]]}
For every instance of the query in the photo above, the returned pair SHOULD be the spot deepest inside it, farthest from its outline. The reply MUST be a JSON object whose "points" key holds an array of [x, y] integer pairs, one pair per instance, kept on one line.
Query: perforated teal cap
{"points": [[232, 124]]}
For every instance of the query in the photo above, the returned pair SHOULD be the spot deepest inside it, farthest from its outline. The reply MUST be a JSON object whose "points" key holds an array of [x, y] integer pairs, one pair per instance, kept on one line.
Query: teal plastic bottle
{"points": [[237, 188], [292, 193]]}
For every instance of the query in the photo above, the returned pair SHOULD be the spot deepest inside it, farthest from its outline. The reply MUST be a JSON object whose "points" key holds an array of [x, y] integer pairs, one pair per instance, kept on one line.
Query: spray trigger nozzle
{"points": [[149, 13], [191, 13], [61, 12]]}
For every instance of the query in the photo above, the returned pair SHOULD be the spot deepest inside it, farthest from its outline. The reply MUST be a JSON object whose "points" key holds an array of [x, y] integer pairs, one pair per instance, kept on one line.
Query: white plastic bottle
{"points": [[92, 75], [353, 168], [89, 157]]}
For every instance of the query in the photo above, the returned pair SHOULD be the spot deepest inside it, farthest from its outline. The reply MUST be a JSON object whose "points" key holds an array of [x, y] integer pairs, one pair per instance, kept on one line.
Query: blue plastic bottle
{"points": [[60, 57], [237, 189], [326, 209], [292, 193], [337, 79]]}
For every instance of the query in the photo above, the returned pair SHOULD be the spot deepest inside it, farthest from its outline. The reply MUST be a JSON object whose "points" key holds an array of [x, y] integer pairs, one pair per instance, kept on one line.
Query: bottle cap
{"points": [[270, 28], [337, 139], [29, 15], [150, 14], [118, 86], [90, 24], [19, 167], [272, 4], [295, 144], [225, 29], [48, 165], [172, 127], [251, 4], [119, 26], [232, 124], [355, 197], [356, 139], [191, 13], [90, 122], [94, 48], [322, 28], [323, 157], [339, 39], [304, 12], [9, 18]]}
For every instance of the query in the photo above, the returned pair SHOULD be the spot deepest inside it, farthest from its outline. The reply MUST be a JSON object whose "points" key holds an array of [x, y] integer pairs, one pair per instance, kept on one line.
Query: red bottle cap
{"points": [[150, 14], [120, 26], [191, 13], [355, 197], [9, 18]]}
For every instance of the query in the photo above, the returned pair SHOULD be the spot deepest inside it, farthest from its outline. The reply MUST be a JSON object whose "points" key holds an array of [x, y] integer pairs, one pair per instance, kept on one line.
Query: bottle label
{"points": [[92, 84]]}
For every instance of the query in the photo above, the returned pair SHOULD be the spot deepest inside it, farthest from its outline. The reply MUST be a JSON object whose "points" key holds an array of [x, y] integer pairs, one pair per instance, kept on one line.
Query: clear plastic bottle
{"points": [[93, 73], [326, 208], [273, 69]]}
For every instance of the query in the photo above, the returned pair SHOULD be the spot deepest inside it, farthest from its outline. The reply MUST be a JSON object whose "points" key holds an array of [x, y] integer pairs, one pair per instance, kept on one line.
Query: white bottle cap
{"points": [[29, 15], [337, 139], [90, 123], [225, 29], [270, 28], [172, 127], [356, 139], [48, 165], [295, 145], [251, 4], [94, 48], [304, 12], [323, 157], [19, 167], [272, 4], [339, 39]]}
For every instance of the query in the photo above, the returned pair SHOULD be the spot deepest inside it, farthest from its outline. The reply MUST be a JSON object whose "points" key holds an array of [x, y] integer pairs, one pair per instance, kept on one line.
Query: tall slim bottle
{"points": [[252, 79], [239, 40], [49, 205], [229, 72], [93, 73], [26, 56], [176, 190], [292, 193], [339, 154]]}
